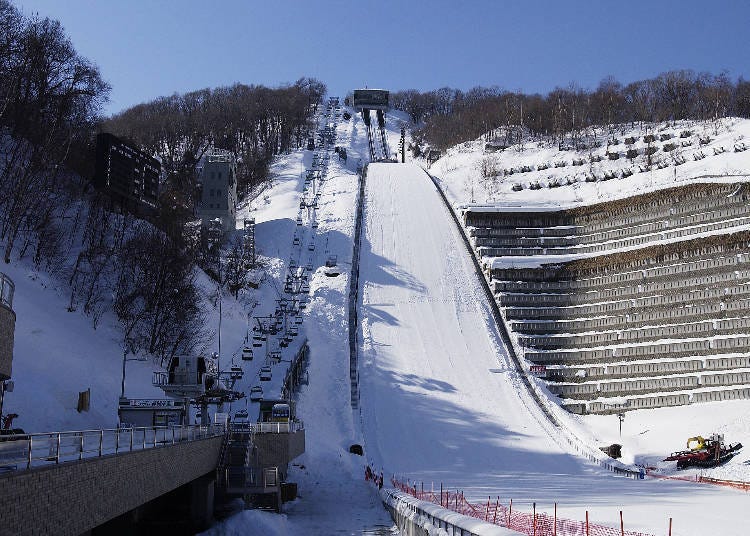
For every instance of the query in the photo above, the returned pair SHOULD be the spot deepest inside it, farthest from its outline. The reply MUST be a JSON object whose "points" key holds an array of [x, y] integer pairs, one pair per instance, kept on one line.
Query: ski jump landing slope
{"points": [[440, 400], [439, 392]]}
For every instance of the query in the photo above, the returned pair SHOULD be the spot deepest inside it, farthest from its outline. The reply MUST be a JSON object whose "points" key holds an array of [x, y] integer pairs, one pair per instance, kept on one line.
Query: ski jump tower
{"points": [[365, 100]]}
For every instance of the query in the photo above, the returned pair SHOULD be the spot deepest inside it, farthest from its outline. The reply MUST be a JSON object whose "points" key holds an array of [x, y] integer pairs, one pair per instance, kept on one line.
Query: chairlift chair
{"points": [[240, 415], [247, 354], [296, 241], [283, 343], [298, 320], [256, 393], [265, 373], [275, 355], [236, 372]]}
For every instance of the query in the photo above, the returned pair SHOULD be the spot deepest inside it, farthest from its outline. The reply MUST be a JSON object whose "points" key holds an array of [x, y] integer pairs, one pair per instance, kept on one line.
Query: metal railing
{"points": [[33, 450], [267, 427], [7, 288]]}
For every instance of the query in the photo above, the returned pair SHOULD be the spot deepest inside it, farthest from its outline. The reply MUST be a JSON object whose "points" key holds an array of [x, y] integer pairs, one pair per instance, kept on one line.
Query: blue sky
{"points": [[149, 48]]}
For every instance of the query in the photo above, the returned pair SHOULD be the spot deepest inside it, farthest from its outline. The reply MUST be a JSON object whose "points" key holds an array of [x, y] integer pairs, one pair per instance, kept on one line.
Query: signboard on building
{"points": [[151, 412]]}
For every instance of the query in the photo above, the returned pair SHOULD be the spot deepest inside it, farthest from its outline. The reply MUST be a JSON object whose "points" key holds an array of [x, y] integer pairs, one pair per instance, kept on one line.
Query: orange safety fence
{"points": [[736, 484], [532, 524]]}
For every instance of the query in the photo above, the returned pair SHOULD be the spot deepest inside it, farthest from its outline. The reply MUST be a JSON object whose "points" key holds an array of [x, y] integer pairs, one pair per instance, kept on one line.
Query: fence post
{"points": [[587, 523], [57, 455], [494, 517], [622, 525], [131, 438], [487, 511], [554, 525], [101, 442], [80, 453], [441, 494], [670, 526], [28, 462], [510, 510], [117, 441], [534, 518]]}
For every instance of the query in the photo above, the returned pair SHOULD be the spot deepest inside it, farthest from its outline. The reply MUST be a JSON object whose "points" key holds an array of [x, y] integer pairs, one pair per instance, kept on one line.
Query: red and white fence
{"points": [[531, 523]]}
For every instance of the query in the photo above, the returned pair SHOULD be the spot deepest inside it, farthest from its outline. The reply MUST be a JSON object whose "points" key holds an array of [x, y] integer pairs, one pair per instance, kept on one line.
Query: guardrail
{"points": [[267, 427], [25, 451], [354, 293], [7, 288]]}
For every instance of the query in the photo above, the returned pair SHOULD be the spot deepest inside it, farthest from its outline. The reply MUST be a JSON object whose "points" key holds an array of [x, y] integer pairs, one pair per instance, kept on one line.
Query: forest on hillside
{"points": [[51, 102], [451, 116], [254, 123]]}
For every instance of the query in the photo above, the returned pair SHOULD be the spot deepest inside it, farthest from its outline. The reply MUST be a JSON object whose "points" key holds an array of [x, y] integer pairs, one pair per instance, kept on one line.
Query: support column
{"points": [[202, 501]]}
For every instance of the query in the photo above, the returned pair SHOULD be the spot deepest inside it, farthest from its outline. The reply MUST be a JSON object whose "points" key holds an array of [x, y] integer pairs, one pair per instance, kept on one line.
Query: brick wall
{"points": [[74, 497]]}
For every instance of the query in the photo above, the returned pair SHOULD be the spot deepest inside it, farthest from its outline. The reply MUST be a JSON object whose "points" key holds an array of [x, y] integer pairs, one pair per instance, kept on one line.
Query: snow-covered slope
{"points": [[470, 175]]}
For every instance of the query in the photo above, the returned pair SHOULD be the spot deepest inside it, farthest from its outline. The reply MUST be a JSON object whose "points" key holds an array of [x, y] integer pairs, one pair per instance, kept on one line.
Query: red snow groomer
{"points": [[704, 452]]}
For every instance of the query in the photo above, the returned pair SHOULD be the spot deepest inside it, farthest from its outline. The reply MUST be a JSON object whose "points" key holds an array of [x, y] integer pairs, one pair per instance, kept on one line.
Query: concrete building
{"points": [[127, 174], [218, 180], [7, 326], [7, 330]]}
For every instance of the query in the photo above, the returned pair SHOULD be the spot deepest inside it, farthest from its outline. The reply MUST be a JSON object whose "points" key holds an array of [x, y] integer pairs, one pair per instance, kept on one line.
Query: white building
{"points": [[219, 189]]}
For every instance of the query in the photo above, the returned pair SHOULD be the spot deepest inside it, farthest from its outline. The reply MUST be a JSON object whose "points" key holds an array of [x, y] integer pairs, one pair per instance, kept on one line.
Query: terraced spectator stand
{"points": [[630, 304], [7, 326]]}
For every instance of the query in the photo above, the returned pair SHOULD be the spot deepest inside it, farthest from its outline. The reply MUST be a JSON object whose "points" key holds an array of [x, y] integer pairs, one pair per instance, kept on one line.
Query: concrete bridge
{"points": [[101, 481]]}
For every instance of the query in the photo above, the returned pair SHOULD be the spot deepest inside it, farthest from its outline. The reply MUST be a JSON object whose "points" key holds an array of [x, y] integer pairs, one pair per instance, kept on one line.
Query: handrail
{"points": [[267, 427], [21, 452], [7, 289]]}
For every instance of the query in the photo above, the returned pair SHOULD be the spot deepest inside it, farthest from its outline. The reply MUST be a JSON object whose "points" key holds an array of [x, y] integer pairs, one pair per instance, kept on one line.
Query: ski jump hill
{"points": [[441, 400]]}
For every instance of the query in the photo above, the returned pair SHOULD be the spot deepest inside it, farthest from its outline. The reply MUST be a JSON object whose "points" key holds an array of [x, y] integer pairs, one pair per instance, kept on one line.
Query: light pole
{"points": [[621, 417]]}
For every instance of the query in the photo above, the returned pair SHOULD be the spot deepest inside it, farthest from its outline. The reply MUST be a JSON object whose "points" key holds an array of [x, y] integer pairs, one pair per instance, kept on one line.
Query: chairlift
{"points": [[236, 372], [295, 241], [283, 343], [247, 354], [265, 373], [304, 287], [293, 331], [311, 247], [256, 393], [315, 224], [240, 415], [298, 320], [299, 221]]}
